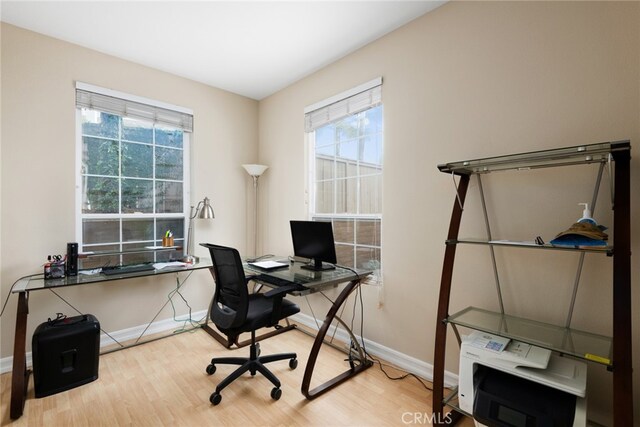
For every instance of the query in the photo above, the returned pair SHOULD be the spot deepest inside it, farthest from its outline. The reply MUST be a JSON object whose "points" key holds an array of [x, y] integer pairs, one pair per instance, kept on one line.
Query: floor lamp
{"points": [[202, 210], [255, 171]]}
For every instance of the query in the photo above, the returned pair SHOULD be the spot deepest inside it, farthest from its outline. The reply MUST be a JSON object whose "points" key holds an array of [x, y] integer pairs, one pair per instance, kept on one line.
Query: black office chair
{"points": [[234, 311]]}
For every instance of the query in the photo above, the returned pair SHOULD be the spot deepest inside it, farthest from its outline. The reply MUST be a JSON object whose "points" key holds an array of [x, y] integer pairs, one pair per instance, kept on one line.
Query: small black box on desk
{"points": [[65, 353]]}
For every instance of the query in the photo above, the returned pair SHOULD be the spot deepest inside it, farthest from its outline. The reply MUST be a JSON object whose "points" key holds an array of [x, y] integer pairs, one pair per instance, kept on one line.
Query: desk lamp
{"points": [[255, 171], [202, 210]]}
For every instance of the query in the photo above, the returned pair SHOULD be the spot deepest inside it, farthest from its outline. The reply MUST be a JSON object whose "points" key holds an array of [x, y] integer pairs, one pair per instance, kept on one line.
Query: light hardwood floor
{"points": [[163, 383]]}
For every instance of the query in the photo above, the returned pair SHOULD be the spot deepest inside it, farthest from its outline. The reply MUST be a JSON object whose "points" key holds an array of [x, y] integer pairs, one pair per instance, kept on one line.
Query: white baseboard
{"points": [[400, 360], [6, 363]]}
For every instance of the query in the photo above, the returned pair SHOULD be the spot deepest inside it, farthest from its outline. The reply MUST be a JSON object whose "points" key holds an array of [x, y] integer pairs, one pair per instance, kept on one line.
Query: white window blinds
{"points": [[113, 102], [345, 104]]}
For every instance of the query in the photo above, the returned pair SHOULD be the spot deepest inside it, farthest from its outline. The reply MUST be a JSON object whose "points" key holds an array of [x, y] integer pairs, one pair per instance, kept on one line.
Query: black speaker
{"points": [[65, 354], [72, 259]]}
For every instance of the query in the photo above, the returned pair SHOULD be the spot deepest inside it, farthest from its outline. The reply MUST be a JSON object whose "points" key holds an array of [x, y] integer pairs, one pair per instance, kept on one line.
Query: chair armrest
{"points": [[281, 290], [277, 295]]}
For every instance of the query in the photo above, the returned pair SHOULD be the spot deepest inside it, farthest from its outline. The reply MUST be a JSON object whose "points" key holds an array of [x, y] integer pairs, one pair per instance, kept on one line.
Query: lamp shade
{"points": [[206, 212], [255, 170]]}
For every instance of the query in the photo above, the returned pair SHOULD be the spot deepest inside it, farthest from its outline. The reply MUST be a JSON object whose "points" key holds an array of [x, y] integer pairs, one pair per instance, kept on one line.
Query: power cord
{"points": [[402, 377], [362, 342], [363, 345], [350, 269], [189, 319]]}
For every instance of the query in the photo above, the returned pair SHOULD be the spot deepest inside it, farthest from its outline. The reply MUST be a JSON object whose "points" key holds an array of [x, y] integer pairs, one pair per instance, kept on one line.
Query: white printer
{"points": [[509, 383]]}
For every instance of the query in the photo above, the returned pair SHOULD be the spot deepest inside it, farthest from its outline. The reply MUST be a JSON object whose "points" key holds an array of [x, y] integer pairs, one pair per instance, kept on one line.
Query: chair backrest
{"points": [[231, 298]]}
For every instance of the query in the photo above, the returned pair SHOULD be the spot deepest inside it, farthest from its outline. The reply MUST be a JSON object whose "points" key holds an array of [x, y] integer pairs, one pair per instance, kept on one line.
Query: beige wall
{"points": [[473, 80], [467, 80], [38, 173]]}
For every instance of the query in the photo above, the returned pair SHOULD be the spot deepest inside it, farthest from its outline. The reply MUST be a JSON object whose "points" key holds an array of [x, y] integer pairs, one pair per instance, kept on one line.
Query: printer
{"points": [[508, 383]]}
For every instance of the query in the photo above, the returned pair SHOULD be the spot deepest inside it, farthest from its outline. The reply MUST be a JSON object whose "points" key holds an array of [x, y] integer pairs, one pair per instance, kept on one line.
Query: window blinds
{"points": [[345, 104], [112, 102]]}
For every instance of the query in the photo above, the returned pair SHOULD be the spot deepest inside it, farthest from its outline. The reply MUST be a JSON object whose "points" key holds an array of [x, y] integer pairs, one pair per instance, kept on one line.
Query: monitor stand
{"points": [[318, 265]]}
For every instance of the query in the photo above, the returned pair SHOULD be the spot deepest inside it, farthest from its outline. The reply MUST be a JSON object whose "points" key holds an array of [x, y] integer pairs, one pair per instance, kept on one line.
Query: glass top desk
{"points": [[314, 281], [36, 282]]}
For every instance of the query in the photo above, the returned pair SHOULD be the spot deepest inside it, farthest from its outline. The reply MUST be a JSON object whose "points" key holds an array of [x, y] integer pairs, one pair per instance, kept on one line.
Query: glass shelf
{"points": [[451, 400], [608, 250], [578, 155], [585, 345]]}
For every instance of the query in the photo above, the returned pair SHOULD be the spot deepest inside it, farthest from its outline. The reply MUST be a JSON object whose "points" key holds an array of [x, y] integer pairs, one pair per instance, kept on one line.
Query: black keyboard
{"points": [[123, 269], [278, 282]]}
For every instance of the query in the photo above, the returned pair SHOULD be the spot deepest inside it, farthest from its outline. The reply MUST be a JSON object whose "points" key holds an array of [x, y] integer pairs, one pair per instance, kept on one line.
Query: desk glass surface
{"points": [[38, 282], [308, 278]]}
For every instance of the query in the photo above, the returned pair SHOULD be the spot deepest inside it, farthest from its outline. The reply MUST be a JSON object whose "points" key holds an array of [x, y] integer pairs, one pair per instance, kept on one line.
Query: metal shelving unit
{"points": [[614, 352]]}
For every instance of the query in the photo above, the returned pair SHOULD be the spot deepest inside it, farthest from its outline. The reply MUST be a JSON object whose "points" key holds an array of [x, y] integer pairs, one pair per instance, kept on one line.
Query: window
{"points": [[133, 177], [346, 139]]}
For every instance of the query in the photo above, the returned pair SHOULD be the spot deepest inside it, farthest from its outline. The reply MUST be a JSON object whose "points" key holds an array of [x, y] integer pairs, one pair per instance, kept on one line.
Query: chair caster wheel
{"points": [[293, 363], [215, 398], [211, 369], [276, 393]]}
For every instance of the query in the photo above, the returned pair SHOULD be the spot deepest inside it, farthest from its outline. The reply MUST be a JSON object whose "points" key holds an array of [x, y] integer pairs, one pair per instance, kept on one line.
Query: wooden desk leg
{"points": [[317, 344], [222, 340], [20, 375]]}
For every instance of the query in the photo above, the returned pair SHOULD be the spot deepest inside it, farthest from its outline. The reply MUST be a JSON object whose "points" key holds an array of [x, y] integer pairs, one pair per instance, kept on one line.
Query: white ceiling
{"points": [[252, 48]]}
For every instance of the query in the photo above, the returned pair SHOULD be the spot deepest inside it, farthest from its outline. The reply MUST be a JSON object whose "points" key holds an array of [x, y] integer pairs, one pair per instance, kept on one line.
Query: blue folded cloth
{"points": [[582, 234], [577, 240]]}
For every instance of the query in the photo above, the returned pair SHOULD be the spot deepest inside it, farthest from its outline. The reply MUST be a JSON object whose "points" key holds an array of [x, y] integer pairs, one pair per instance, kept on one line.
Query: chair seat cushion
{"points": [[260, 312]]}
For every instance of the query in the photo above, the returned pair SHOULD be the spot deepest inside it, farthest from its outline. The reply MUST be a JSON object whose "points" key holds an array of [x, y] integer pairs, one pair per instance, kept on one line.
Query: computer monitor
{"points": [[314, 240]]}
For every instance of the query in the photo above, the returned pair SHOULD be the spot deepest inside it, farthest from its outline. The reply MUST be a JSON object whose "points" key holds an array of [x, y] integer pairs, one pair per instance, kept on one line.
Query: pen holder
{"points": [[54, 270], [167, 241]]}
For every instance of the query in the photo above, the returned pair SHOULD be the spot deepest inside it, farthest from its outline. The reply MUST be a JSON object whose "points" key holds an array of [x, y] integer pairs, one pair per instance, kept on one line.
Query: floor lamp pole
{"points": [[255, 215], [255, 171]]}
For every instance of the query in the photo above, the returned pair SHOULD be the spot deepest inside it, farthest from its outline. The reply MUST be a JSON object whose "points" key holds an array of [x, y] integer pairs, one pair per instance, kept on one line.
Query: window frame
{"points": [[311, 180], [80, 216]]}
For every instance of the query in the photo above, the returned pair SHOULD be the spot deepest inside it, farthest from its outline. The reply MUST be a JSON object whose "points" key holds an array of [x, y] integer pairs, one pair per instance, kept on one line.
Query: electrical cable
{"points": [[363, 344], [335, 329], [173, 308], [177, 290], [194, 323], [358, 297], [353, 314], [402, 377], [369, 356], [362, 341], [350, 269], [164, 305]]}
